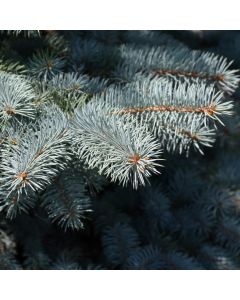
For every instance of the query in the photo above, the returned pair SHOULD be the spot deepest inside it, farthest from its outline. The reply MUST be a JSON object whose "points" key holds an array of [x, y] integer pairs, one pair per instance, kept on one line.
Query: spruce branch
{"points": [[16, 97], [39, 155], [167, 96], [69, 82], [150, 37], [150, 257], [118, 242], [180, 134], [95, 56], [66, 201], [57, 43], [24, 33], [8, 262], [10, 66], [145, 258], [13, 205], [217, 258], [226, 172], [181, 116], [180, 62], [45, 64], [119, 148], [228, 234], [67, 90]]}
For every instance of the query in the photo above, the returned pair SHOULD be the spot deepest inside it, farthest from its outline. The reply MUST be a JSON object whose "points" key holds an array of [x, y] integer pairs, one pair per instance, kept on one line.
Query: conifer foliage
{"points": [[111, 151]]}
